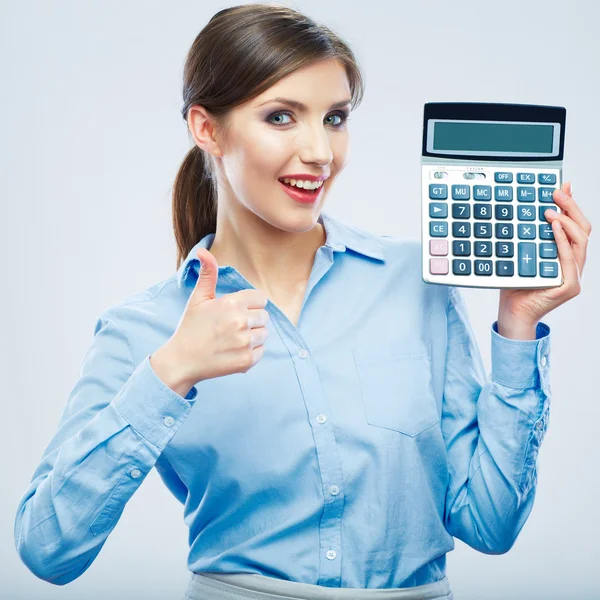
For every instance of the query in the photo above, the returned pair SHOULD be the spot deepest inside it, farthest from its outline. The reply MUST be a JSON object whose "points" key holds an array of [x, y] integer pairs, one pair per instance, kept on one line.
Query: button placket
{"points": [[325, 442]]}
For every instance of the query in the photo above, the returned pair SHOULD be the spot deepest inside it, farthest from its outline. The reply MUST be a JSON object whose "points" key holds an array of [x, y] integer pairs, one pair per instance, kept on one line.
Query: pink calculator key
{"points": [[438, 266], [438, 247]]}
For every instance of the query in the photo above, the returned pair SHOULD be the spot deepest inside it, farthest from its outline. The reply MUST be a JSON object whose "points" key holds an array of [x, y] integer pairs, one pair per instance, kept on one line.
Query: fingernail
{"points": [[550, 212]]}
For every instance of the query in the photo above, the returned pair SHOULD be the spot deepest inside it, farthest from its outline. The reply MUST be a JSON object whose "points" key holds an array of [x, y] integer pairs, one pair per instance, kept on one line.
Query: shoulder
{"points": [[149, 312]]}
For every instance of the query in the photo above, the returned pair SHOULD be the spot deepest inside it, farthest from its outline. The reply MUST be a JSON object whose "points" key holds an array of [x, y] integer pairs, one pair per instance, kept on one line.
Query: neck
{"points": [[275, 261]]}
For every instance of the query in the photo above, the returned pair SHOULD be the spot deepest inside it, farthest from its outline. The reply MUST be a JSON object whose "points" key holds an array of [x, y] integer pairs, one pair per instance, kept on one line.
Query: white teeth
{"points": [[307, 185]]}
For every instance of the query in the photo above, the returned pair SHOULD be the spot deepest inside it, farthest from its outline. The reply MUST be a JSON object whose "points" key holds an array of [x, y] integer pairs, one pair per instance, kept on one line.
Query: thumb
{"points": [[206, 284]]}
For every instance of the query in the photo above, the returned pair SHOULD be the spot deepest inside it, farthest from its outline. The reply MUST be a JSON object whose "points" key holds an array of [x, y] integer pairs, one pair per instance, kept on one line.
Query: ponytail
{"points": [[194, 202]]}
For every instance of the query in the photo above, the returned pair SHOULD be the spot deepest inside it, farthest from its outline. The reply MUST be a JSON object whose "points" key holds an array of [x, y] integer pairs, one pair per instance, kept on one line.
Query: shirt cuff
{"points": [[522, 363], [150, 406]]}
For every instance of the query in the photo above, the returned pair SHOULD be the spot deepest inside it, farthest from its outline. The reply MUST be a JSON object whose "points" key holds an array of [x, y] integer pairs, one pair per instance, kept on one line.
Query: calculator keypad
{"points": [[495, 226]]}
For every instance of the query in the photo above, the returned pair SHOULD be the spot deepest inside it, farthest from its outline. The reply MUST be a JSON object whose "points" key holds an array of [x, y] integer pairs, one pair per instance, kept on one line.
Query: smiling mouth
{"points": [[298, 189], [302, 195]]}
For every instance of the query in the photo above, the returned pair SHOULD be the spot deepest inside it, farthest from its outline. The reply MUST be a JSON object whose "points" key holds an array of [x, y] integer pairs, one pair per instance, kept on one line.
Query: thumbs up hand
{"points": [[215, 336]]}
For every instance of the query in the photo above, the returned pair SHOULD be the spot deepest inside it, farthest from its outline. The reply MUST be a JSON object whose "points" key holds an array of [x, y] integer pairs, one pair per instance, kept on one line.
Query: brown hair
{"points": [[241, 52]]}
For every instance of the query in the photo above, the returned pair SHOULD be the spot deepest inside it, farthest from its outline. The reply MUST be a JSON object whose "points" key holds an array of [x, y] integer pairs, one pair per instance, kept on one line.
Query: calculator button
{"points": [[438, 210], [526, 194], [438, 228], [438, 266], [525, 178], [548, 269], [505, 268], [461, 211], [483, 230], [504, 230], [504, 212], [525, 213], [482, 211], [545, 194], [548, 250], [461, 229], [461, 192], [547, 178], [503, 193], [483, 267], [438, 191], [546, 232], [483, 248], [438, 247], [461, 266], [505, 248], [503, 177], [482, 192], [526, 231], [527, 259], [461, 247], [543, 210]]}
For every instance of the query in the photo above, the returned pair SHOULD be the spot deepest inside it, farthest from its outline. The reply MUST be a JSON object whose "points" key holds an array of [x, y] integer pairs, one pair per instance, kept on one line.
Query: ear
{"points": [[203, 129]]}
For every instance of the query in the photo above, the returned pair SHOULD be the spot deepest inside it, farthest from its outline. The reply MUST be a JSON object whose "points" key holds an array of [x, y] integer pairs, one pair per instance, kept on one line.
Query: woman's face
{"points": [[268, 139]]}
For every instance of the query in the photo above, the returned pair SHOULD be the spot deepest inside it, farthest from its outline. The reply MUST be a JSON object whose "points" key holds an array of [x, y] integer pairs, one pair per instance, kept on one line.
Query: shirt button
{"points": [[135, 473], [543, 361], [321, 418], [331, 554], [168, 421], [334, 490], [303, 353]]}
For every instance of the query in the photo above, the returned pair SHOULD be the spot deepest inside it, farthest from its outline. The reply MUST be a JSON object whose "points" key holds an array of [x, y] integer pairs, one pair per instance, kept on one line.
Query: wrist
{"points": [[167, 368], [515, 329]]}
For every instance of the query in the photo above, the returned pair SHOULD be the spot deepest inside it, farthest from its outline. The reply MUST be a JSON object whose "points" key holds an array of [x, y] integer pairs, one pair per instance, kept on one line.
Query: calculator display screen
{"points": [[493, 138]]}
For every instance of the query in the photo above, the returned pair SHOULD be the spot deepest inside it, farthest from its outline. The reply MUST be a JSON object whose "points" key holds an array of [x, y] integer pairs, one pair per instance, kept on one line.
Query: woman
{"points": [[322, 413]]}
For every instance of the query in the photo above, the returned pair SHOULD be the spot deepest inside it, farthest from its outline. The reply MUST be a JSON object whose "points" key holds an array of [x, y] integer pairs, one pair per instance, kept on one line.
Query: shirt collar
{"points": [[339, 237]]}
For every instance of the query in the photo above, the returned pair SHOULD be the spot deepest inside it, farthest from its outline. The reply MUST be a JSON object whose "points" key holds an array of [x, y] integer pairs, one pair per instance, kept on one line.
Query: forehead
{"points": [[317, 85]]}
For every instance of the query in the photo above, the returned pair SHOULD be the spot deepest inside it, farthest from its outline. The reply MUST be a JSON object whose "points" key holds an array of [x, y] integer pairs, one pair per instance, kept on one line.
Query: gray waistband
{"points": [[438, 590]]}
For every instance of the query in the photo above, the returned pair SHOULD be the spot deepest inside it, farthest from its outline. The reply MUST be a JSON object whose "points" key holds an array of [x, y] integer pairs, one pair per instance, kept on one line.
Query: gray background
{"points": [[91, 140]]}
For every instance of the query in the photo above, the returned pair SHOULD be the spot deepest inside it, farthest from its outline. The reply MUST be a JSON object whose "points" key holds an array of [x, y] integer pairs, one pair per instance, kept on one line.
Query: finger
{"points": [[567, 258], [576, 237], [567, 204], [567, 188]]}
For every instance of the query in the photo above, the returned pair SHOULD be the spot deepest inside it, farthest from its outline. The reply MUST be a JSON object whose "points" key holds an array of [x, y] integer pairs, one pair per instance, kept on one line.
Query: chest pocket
{"points": [[396, 389]]}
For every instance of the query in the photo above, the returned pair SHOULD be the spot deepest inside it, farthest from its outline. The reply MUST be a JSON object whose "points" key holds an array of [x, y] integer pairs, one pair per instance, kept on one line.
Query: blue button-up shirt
{"points": [[350, 455]]}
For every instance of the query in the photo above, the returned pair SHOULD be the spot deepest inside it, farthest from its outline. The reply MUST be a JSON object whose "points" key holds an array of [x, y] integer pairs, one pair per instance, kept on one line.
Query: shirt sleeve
{"points": [[117, 420], [493, 426]]}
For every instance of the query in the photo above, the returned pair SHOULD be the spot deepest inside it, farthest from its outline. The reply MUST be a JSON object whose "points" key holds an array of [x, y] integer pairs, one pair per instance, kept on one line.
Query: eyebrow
{"points": [[303, 107]]}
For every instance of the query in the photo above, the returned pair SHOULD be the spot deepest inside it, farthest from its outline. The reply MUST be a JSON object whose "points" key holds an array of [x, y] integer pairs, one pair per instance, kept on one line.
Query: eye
{"points": [[344, 117]]}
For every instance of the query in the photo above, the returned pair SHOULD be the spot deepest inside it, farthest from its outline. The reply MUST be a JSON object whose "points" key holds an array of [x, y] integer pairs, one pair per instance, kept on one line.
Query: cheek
{"points": [[266, 152], [341, 153]]}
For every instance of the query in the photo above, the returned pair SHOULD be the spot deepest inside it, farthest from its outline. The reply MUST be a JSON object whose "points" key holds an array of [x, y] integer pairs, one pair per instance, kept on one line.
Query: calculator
{"points": [[488, 171]]}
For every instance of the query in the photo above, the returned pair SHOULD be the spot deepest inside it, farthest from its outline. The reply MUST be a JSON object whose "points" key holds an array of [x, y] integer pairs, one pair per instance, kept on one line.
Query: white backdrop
{"points": [[91, 140]]}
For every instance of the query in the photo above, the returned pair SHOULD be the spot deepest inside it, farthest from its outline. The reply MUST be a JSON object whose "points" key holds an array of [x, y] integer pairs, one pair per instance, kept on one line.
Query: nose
{"points": [[316, 146]]}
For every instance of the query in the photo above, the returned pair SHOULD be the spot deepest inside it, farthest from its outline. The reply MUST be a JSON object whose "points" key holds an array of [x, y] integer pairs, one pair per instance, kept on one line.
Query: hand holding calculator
{"points": [[488, 174]]}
